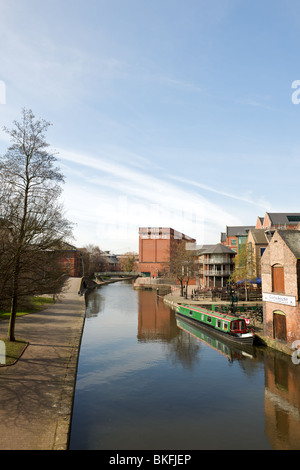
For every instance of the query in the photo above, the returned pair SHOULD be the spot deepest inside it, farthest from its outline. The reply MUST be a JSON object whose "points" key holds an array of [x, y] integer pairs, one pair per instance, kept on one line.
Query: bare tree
{"points": [[95, 260], [128, 262], [30, 209], [181, 266]]}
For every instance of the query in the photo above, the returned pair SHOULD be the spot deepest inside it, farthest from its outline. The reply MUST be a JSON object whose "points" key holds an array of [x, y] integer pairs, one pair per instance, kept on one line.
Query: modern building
{"points": [[154, 249], [235, 236], [280, 274], [278, 221], [215, 265]]}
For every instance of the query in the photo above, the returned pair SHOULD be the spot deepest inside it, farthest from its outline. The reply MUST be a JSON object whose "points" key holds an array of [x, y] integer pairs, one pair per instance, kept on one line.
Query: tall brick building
{"points": [[154, 249]]}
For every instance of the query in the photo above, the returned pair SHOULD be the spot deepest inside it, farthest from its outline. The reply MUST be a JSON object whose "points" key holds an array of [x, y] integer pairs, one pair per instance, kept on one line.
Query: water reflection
{"points": [[282, 386], [221, 347], [282, 401], [147, 380], [155, 319]]}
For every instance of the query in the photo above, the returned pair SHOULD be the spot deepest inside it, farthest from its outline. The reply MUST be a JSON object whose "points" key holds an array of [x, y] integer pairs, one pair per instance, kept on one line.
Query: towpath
{"points": [[36, 394]]}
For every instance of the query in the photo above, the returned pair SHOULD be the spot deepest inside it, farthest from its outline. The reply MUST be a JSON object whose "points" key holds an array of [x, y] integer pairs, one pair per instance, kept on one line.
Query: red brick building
{"points": [[280, 268], [278, 220], [235, 236], [71, 259], [154, 249]]}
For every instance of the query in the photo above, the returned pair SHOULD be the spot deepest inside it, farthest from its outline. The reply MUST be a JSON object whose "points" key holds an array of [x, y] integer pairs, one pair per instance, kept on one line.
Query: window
{"points": [[277, 278], [219, 323], [233, 242], [191, 313], [225, 326], [209, 319], [293, 218]]}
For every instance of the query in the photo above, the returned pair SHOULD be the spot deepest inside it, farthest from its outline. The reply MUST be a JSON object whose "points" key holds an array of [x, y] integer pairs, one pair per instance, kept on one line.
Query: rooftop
{"points": [[292, 239]]}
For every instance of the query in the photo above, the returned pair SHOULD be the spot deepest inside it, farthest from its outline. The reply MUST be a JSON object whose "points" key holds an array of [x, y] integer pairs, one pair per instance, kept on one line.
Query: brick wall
{"points": [[277, 253]]}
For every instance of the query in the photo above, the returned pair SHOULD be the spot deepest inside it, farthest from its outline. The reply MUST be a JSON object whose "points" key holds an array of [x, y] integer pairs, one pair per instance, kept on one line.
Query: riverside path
{"points": [[36, 394]]}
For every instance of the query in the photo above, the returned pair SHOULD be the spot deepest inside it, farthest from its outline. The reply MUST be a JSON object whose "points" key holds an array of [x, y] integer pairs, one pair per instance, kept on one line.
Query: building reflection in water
{"points": [[282, 401], [155, 322]]}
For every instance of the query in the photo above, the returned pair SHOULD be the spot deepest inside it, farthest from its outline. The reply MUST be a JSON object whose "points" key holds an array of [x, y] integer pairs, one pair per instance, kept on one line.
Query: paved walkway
{"points": [[36, 394]]}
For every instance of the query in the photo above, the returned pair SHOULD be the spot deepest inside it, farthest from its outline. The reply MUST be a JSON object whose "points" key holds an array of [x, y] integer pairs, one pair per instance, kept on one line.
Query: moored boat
{"points": [[232, 327]]}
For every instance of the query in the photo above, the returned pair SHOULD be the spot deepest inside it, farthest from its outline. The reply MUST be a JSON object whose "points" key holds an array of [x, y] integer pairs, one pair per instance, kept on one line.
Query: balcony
{"points": [[217, 272]]}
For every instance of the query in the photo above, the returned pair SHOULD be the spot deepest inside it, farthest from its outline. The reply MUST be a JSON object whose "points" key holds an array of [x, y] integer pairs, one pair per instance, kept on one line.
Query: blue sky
{"points": [[165, 113]]}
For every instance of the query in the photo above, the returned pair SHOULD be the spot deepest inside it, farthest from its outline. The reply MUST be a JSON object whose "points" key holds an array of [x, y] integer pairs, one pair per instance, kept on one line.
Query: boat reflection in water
{"points": [[232, 353]]}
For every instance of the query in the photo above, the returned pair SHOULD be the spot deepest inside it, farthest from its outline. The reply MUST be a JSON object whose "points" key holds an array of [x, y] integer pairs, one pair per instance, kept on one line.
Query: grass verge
{"points": [[36, 305]]}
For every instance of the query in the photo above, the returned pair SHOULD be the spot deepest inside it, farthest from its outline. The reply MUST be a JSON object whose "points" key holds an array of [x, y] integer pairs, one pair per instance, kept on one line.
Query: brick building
{"points": [[280, 267], [71, 259], [154, 249], [235, 236], [258, 242], [278, 221]]}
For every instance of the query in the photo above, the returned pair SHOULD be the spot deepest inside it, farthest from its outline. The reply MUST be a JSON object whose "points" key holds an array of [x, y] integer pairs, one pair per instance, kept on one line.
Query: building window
{"points": [[277, 279], [233, 242]]}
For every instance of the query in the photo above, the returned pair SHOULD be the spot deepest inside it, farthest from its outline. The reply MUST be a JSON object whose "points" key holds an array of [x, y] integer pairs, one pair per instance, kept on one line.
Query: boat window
{"points": [[242, 325], [209, 319], [225, 326], [234, 325], [219, 323], [191, 312]]}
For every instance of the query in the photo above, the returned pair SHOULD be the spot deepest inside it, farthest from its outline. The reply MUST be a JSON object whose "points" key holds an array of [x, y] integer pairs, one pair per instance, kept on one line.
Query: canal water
{"points": [[147, 381]]}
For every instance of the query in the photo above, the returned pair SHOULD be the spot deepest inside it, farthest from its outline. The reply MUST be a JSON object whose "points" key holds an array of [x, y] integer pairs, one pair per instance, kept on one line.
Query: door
{"points": [[279, 321]]}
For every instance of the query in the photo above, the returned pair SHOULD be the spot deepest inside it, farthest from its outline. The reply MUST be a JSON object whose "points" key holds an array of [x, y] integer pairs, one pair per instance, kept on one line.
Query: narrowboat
{"points": [[232, 327]]}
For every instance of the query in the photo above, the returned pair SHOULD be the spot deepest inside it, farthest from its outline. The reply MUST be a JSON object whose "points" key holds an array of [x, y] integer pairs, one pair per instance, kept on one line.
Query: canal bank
{"points": [[36, 394]]}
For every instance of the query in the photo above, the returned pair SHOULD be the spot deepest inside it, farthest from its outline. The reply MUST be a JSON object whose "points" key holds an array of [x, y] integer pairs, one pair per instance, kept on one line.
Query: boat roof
{"points": [[211, 313]]}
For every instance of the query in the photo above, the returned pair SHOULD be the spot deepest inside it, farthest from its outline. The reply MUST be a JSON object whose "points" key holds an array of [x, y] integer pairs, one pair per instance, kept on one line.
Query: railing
{"points": [[116, 273], [217, 272]]}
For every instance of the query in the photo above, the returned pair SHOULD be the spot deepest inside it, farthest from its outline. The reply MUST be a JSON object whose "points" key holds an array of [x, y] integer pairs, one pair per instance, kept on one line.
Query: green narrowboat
{"points": [[232, 327]]}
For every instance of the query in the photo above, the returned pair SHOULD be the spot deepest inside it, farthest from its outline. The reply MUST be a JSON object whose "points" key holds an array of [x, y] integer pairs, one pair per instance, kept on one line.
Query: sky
{"points": [[165, 113]]}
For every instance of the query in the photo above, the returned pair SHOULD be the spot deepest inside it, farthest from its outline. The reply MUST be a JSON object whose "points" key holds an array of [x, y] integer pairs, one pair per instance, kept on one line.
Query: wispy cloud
{"points": [[122, 198], [261, 202]]}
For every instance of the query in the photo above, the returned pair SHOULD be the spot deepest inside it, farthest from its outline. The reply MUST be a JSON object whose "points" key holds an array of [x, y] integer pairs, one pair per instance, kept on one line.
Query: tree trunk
{"points": [[181, 288], [14, 305]]}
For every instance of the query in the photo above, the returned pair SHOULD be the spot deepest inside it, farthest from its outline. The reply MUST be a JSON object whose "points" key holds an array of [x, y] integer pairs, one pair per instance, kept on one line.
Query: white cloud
{"points": [[117, 199]]}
